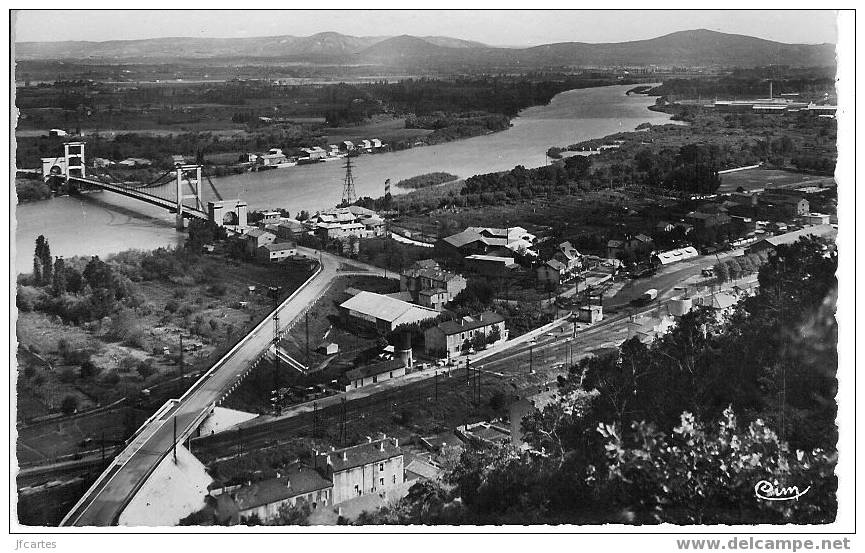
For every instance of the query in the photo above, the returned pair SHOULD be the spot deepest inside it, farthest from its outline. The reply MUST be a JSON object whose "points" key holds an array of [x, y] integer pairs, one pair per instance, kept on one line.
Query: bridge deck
{"points": [[138, 194]]}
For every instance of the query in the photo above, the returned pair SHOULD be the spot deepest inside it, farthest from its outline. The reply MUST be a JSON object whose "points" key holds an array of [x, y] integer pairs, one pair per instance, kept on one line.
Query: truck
{"points": [[649, 295]]}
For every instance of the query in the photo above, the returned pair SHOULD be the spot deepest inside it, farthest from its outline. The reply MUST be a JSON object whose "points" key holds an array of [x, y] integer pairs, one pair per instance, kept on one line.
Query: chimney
{"points": [[288, 482], [482, 317], [345, 456], [396, 442], [368, 440], [332, 448], [381, 446], [329, 462]]}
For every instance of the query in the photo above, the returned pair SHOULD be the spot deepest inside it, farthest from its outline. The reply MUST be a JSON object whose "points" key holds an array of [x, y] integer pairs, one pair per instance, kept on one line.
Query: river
{"points": [[103, 223]]}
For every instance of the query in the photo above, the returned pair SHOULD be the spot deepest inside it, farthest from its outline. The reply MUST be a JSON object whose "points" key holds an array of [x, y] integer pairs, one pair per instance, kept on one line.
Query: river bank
{"points": [[103, 223]]}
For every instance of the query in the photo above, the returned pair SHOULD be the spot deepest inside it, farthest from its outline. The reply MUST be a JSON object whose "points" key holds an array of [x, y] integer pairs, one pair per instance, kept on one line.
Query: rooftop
{"points": [[432, 273], [258, 233], [363, 454], [298, 480], [280, 247], [375, 369], [387, 308], [487, 318], [496, 258], [790, 237]]}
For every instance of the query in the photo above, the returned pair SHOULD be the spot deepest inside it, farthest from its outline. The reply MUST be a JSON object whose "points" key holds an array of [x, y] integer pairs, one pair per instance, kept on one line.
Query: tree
{"points": [[292, 515], [88, 369], [37, 271], [697, 476], [69, 405], [43, 253], [722, 273], [58, 285], [479, 341]]}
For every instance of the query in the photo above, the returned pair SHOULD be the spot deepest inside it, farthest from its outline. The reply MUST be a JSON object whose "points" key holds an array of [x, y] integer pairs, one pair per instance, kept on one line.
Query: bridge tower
{"points": [[73, 154], [192, 175]]}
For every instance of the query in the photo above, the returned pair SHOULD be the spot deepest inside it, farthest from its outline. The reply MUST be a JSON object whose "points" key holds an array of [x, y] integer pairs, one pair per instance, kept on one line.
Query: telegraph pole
{"points": [[532, 357], [307, 338], [174, 442], [314, 419], [277, 362], [181, 354], [343, 433]]}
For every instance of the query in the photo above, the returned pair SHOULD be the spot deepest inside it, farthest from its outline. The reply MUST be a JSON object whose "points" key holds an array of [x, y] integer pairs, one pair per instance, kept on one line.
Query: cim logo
{"points": [[771, 491]]}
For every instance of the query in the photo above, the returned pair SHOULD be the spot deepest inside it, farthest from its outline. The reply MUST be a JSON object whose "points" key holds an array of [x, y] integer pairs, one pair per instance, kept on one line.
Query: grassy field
{"points": [[207, 312], [756, 179]]}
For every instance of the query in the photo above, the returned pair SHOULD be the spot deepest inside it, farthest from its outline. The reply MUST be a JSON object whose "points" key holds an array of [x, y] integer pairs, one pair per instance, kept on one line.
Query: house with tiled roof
{"points": [[373, 467], [430, 285], [255, 238], [271, 253], [375, 373], [568, 255], [482, 240], [446, 339], [296, 486], [552, 272]]}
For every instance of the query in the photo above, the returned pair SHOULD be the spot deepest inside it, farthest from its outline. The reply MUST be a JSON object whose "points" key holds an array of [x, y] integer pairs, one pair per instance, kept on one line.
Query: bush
{"points": [[30, 298], [88, 369], [66, 376], [69, 405], [145, 369], [497, 401], [172, 306], [218, 289], [110, 379]]}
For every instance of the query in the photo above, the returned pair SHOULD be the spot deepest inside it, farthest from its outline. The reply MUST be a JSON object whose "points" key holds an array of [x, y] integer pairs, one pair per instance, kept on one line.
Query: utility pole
{"points": [[532, 357], [436, 380], [174, 442], [277, 361], [307, 338], [343, 432], [314, 419], [181, 354]]}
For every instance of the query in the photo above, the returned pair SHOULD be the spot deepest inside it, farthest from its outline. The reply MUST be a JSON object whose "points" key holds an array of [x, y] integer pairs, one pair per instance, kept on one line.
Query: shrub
{"points": [[218, 289], [69, 405], [88, 369], [172, 306], [145, 369], [66, 376], [110, 379]]}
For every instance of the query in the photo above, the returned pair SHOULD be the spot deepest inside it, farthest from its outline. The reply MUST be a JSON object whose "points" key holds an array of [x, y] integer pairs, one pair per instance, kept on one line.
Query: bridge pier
{"points": [[192, 174]]}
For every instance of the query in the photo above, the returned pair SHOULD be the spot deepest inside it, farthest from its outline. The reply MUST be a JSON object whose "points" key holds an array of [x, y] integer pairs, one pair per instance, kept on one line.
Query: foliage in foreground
{"points": [[681, 431]]}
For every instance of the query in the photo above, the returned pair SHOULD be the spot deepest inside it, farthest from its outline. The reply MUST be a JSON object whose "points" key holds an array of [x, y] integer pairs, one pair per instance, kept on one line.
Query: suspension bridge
{"points": [[185, 198]]}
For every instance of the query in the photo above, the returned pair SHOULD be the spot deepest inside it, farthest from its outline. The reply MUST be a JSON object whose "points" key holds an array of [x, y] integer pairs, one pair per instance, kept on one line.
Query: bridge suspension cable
{"points": [[213, 188]]}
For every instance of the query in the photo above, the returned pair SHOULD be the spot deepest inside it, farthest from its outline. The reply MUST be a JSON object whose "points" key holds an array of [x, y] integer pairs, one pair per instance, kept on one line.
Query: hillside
{"points": [[686, 48]]}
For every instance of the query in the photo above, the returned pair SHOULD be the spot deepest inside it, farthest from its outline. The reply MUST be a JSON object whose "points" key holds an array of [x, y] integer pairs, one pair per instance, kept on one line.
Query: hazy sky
{"points": [[510, 28]]}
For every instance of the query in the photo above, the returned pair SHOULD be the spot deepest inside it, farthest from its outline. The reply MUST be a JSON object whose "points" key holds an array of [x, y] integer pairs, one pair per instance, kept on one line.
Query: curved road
{"points": [[103, 503]]}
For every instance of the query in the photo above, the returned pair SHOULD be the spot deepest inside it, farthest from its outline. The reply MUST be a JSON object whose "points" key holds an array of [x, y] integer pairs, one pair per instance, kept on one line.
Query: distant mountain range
{"points": [[685, 48]]}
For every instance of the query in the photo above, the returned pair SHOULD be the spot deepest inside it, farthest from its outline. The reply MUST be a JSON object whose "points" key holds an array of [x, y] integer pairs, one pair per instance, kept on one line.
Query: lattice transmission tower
{"points": [[348, 194]]}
